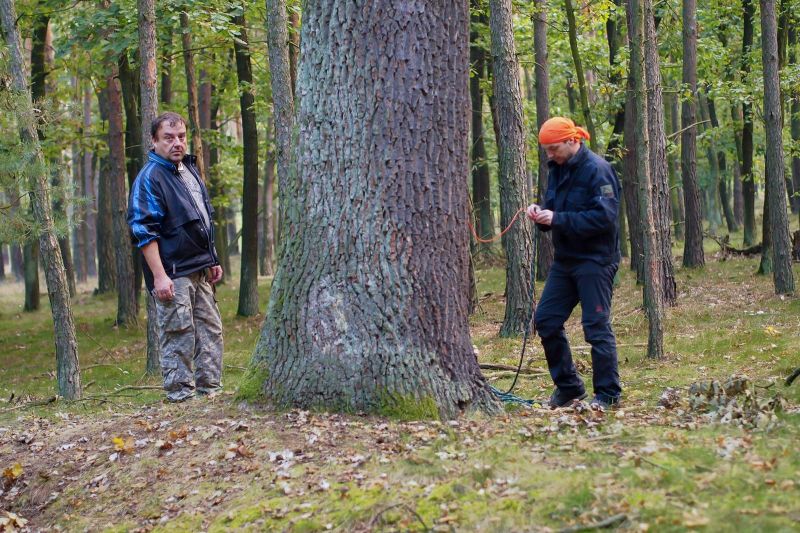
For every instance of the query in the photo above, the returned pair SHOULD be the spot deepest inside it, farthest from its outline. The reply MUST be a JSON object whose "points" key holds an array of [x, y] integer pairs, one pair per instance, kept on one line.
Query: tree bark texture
{"points": [[368, 310], [693, 255], [513, 168], [722, 163], [638, 12], [191, 90], [283, 106], [576, 60], [106, 266], [127, 304], [30, 257], [148, 89], [294, 47], [778, 217], [89, 224], [630, 184], [794, 117], [148, 71], [248, 280], [544, 241], [659, 176], [67, 368], [481, 183], [267, 251], [748, 182]]}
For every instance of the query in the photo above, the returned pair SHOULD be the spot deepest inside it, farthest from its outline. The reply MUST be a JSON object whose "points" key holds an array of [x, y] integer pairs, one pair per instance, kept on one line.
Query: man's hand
{"points": [[164, 288], [215, 274], [544, 217], [532, 210]]}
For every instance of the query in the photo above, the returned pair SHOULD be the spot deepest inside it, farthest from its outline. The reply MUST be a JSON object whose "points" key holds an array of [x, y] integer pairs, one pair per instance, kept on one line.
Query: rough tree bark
{"points": [[544, 241], [376, 319], [148, 89], [794, 116], [630, 183], [659, 176], [481, 184], [693, 255], [248, 280], [283, 106], [127, 302], [638, 11], [748, 183], [778, 218], [513, 168], [67, 368]]}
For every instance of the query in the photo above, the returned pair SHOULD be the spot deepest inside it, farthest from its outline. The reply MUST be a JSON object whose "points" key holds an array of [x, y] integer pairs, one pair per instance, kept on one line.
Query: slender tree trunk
{"points": [[722, 160], [148, 89], [676, 192], [89, 226], [283, 104], [134, 160], [794, 116], [166, 69], [630, 183], [693, 255], [106, 266], [712, 187], [67, 368], [659, 176], [638, 12], [776, 197], [513, 166], [17, 262], [248, 282], [191, 89], [361, 323], [748, 182], [78, 212], [544, 241], [738, 195], [30, 257], [267, 257], [576, 59], [481, 184], [614, 150]]}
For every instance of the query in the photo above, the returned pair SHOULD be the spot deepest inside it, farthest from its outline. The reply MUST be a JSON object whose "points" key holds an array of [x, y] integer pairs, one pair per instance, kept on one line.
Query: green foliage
{"points": [[405, 407], [251, 386]]}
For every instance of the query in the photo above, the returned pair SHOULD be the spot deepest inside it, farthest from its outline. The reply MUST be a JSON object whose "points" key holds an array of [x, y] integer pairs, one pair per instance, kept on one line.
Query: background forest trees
{"points": [[710, 150]]}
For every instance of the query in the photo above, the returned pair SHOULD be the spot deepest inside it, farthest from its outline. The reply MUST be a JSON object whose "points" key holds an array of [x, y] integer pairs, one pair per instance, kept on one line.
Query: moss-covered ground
{"points": [[122, 460]]}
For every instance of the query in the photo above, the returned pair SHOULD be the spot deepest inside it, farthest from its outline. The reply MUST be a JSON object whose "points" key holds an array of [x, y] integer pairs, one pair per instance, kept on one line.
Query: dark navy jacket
{"points": [[161, 207], [583, 194]]}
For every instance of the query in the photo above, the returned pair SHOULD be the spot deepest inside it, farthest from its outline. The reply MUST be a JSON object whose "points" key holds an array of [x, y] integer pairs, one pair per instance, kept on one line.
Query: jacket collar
{"points": [[155, 158], [573, 161]]}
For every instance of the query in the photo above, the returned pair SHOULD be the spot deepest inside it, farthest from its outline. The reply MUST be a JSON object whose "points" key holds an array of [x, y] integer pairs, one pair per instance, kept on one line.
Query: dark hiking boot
{"points": [[560, 399]]}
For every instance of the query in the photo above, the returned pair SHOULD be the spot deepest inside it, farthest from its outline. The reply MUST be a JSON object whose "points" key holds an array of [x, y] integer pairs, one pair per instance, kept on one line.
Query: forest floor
{"points": [[722, 457]]}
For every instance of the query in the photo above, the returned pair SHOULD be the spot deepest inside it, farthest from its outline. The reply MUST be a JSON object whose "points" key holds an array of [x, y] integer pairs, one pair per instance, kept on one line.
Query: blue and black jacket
{"points": [[161, 207], [583, 194]]}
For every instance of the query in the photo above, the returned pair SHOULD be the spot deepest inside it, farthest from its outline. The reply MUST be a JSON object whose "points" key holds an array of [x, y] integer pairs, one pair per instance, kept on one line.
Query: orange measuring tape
{"points": [[493, 239]]}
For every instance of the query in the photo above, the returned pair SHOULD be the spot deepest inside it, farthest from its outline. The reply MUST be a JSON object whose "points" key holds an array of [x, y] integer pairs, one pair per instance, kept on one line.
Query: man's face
{"points": [[560, 153], [170, 141]]}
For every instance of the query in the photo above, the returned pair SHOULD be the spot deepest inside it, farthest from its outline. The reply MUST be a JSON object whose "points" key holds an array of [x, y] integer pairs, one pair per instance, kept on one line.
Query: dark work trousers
{"points": [[590, 284]]}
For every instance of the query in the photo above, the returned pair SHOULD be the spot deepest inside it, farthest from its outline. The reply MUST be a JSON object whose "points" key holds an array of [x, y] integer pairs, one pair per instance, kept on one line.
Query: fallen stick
{"points": [[137, 387], [498, 366], [609, 522]]}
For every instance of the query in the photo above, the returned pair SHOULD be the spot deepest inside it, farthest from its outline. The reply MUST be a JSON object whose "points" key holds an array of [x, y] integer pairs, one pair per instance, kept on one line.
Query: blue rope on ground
{"points": [[507, 397]]}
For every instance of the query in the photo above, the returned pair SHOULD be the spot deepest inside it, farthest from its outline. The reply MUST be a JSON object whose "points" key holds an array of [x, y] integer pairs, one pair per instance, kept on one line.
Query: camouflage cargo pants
{"points": [[190, 331]]}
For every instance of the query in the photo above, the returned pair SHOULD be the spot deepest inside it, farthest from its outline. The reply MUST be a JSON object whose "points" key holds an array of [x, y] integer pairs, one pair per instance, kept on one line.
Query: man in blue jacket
{"points": [[169, 214], [580, 208]]}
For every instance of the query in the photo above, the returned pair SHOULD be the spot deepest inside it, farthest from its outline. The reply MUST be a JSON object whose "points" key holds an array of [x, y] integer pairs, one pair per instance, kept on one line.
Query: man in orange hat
{"points": [[580, 208]]}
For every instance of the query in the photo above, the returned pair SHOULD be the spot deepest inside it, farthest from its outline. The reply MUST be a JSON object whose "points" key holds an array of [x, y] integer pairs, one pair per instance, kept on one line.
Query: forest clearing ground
{"points": [[126, 461]]}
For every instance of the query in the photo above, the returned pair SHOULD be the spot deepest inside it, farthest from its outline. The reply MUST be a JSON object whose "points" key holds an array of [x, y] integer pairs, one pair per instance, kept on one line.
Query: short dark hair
{"points": [[173, 119]]}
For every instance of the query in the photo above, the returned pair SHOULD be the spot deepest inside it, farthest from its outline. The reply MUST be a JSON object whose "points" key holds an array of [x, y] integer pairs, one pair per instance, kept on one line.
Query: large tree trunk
{"points": [[748, 182], [67, 369], [127, 301], [576, 60], [776, 186], [481, 183], [248, 281], [638, 13], [518, 243], [693, 255], [283, 104], [544, 241], [372, 320], [659, 176], [630, 184], [148, 89]]}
